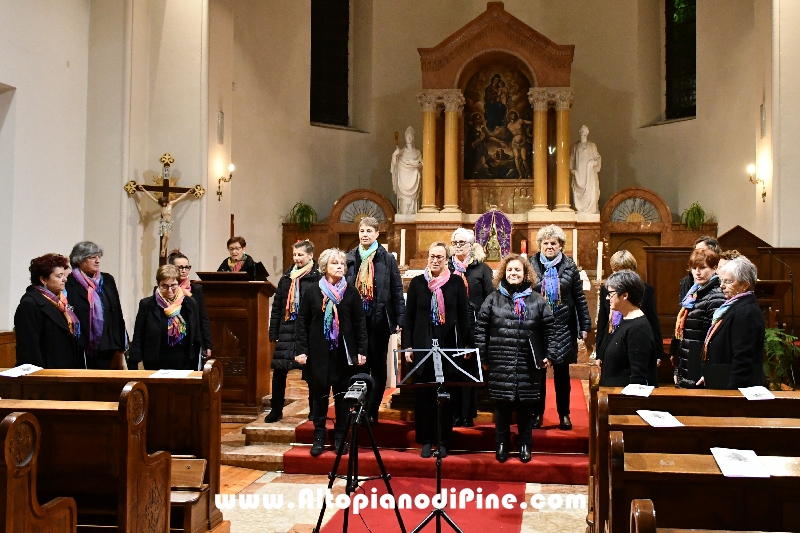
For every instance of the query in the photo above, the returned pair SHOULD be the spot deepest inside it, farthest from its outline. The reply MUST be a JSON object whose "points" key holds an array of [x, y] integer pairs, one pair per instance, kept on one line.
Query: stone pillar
{"points": [[539, 100], [563, 99], [429, 99], [453, 106]]}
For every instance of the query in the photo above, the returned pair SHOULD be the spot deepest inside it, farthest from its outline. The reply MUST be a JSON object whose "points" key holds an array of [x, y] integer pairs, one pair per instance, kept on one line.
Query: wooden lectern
{"points": [[239, 313]]}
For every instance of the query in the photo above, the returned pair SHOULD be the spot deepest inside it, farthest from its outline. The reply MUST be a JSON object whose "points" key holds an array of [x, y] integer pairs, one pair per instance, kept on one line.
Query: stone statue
{"points": [[584, 164], [406, 174]]}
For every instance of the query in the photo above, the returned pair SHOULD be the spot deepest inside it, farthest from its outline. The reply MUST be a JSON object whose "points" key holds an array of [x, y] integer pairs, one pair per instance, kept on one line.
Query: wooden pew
{"points": [[643, 520], [95, 452], [185, 418], [690, 491], [20, 511], [608, 402]]}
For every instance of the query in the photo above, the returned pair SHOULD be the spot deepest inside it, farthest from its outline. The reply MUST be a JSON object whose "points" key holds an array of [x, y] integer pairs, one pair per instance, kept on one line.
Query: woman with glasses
{"points": [[166, 334], [629, 349], [561, 286], [734, 345], [467, 263], [195, 290], [238, 261], [436, 308], [94, 297]]}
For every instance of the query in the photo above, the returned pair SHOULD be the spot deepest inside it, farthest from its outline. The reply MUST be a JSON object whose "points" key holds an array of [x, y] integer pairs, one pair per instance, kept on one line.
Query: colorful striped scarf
{"points": [[176, 327], [719, 314], [236, 266], [94, 287], [437, 298], [293, 298], [331, 298], [686, 305], [461, 268], [366, 274], [186, 287], [551, 287], [60, 302], [519, 300]]}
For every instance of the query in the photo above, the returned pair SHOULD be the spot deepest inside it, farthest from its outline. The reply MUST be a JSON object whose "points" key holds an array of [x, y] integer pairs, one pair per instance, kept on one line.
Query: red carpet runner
{"points": [[559, 456], [470, 519]]}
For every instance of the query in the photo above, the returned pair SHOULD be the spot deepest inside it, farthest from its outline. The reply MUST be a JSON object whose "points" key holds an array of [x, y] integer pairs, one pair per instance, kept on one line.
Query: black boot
{"points": [[318, 446], [275, 414], [537, 421], [524, 453], [502, 452], [566, 423]]}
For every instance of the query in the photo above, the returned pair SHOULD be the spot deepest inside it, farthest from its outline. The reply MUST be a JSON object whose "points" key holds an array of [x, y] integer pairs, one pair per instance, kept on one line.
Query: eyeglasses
{"points": [[235, 248], [184, 267], [166, 288], [610, 294], [459, 244], [436, 258], [726, 281]]}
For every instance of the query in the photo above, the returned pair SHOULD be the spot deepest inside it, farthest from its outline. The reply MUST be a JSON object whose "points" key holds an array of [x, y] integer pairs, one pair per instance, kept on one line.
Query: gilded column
{"points": [[453, 106], [540, 100], [563, 98], [430, 100]]}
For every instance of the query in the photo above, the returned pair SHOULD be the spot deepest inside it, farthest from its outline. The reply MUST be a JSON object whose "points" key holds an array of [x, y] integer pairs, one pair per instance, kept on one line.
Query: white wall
{"points": [[44, 57]]}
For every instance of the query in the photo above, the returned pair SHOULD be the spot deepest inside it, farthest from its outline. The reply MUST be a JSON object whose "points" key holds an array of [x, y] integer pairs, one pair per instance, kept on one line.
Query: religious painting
{"points": [[497, 124]]}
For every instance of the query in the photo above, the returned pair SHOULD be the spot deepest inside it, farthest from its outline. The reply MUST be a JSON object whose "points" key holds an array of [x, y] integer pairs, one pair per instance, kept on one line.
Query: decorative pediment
{"points": [[496, 32]]}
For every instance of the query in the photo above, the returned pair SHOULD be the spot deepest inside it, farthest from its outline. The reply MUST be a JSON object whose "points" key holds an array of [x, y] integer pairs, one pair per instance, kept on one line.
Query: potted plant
{"points": [[781, 354], [694, 217], [303, 215]]}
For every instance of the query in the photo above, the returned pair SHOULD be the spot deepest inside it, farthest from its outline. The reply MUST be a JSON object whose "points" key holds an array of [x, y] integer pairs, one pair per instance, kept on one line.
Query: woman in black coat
{"points": [[195, 290], [331, 335], [285, 306], [561, 286], [514, 332], [435, 289], [467, 263], [734, 346], [694, 318], [629, 349], [166, 334], [624, 260], [46, 326], [238, 261], [104, 340]]}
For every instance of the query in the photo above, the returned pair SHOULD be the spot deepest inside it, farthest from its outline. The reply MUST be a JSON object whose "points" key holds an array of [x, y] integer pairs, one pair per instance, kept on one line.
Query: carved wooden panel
{"points": [[512, 196]]}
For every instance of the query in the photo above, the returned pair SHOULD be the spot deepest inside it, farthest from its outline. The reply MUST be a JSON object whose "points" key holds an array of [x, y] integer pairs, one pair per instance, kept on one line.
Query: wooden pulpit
{"points": [[239, 313]]}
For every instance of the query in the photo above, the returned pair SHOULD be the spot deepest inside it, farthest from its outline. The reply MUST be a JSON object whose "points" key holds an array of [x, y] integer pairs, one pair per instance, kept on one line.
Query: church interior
{"points": [[147, 126]]}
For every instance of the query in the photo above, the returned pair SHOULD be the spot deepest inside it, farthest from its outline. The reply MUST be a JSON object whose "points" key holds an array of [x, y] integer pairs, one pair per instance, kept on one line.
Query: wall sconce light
{"points": [[225, 180], [751, 170]]}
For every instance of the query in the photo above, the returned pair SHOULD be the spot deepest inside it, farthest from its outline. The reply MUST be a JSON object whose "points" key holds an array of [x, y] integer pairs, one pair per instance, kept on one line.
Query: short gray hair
{"points": [[548, 232], [82, 250], [743, 270], [467, 234], [327, 255], [627, 282]]}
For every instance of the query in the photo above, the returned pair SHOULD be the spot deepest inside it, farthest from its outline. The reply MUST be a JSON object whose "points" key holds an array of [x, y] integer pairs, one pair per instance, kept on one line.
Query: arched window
{"points": [[681, 58]]}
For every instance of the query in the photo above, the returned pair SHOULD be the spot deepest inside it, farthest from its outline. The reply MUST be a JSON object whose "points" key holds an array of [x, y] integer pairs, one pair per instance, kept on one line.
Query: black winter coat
{"points": [[205, 322], [648, 307], [43, 336], [387, 285], [479, 278], [327, 368], [689, 353], [281, 330], [419, 331], [572, 316], [148, 332], [739, 342], [515, 350], [78, 299], [249, 266]]}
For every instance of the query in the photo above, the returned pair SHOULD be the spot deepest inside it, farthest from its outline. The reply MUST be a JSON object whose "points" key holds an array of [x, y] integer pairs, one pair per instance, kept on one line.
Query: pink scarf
{"points": [[437, 298]]}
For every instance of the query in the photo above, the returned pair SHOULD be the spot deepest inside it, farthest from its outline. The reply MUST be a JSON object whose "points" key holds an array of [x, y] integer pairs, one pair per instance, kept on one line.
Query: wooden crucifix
{"points": [[169, 196]]}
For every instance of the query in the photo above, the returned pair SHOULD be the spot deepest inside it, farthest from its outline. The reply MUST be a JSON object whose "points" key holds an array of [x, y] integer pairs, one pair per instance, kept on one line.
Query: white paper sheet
{"points": [[21, 370], [638, 390], [739, 463], [659, 419], [171, 374], [757, 393]]}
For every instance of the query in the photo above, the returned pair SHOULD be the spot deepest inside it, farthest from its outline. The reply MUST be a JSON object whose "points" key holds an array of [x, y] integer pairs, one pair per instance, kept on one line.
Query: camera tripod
{"points": [[355, 419]]}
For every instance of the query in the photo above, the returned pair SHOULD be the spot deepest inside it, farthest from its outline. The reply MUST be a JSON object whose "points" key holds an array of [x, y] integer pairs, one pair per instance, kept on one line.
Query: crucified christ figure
{"points": [[165, 222]]}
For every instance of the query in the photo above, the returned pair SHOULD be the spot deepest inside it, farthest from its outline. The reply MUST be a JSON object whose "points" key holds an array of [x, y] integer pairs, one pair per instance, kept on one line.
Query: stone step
{"points": [[282, 431], [268, 457]]}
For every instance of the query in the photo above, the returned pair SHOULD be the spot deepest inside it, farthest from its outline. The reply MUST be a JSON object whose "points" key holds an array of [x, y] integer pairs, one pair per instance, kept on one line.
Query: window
{"points": [[330, 61], [681, 58]]}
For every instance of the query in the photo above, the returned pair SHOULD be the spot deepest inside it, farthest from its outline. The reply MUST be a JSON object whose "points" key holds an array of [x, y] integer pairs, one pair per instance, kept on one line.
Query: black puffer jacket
{"points": [[388, 285], [479, 279], [572, 316], [689, 354], [514, 350], [282, 330]]}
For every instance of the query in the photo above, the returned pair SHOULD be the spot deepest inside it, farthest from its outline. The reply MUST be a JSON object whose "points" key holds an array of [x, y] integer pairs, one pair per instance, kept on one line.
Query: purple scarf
{"points": [[93, 286]]}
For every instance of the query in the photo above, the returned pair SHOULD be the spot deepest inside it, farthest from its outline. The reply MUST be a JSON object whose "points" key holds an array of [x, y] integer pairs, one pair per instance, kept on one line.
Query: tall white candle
{"points": [[575, 245], [402, 247], [600, 260]]}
